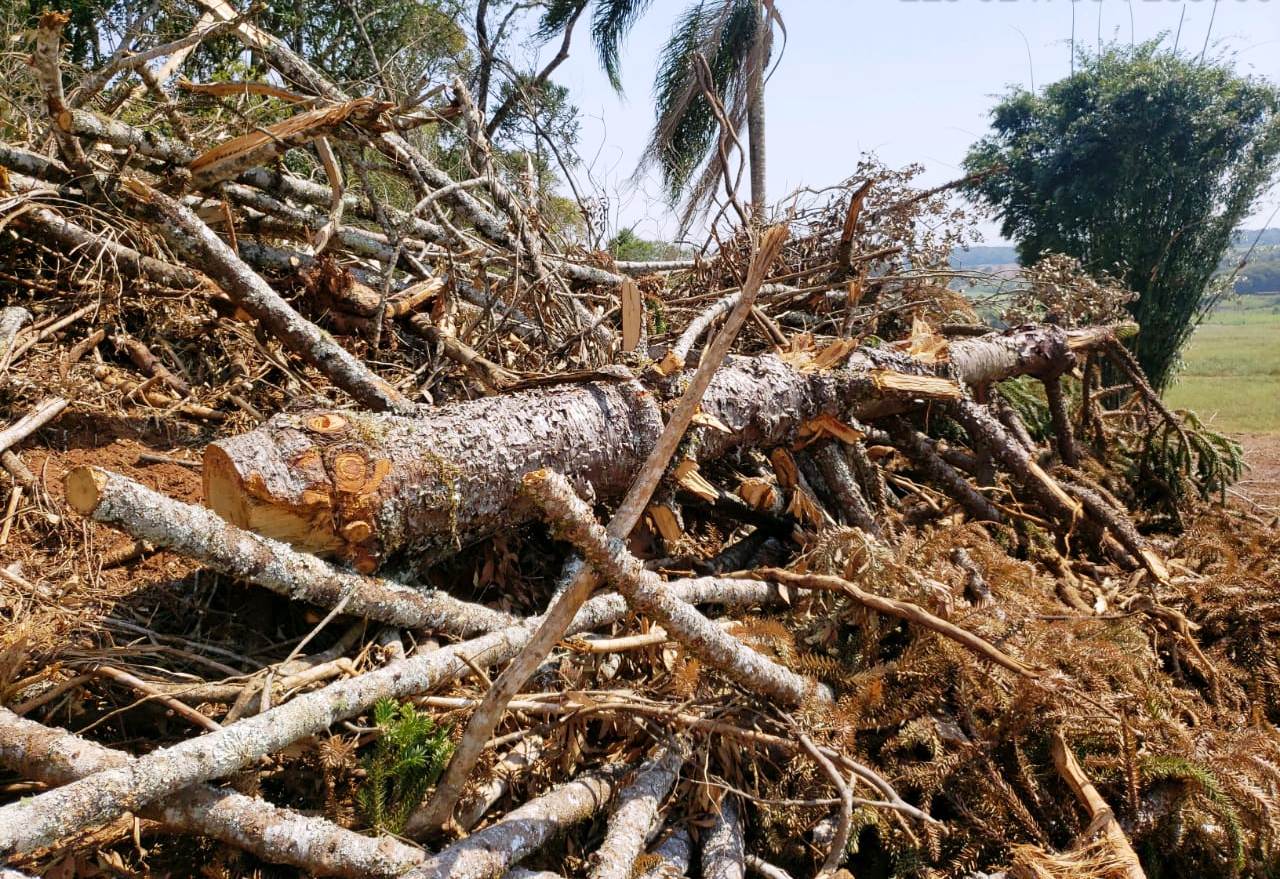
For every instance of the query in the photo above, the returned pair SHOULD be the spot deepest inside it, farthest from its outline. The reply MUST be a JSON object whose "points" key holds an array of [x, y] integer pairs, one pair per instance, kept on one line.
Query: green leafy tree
{"points": [[628, 246], [1140, 165], [401, 43], [734, 39]]}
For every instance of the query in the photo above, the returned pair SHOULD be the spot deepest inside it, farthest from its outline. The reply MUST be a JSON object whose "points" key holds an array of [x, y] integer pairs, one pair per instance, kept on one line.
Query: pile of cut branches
{"points": [[506, 559]]}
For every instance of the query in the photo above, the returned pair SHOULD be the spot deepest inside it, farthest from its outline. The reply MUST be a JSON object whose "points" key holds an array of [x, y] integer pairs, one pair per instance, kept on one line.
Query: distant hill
{"points": [[972, 257], [1261, 275], [1245, 237]]}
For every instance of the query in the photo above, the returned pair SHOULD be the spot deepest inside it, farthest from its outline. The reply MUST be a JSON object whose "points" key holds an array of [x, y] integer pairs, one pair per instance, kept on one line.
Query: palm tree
{"points": [[730, 42]]}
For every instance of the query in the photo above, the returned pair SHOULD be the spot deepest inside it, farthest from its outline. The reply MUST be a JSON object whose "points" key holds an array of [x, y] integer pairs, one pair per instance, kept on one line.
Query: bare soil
{"points": [[1261, 483]]}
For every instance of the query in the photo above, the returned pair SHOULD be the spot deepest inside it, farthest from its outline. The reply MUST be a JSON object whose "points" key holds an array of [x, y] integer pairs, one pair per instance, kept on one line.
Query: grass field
{"points": [[1232, 373]]}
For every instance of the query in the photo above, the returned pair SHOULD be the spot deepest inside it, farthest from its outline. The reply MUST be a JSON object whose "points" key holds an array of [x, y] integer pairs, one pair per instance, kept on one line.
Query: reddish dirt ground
{"points": [[1261, 483]]}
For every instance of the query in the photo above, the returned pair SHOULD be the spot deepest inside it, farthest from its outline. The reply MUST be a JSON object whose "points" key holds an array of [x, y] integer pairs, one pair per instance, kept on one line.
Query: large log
{"points": [[367, 487]]}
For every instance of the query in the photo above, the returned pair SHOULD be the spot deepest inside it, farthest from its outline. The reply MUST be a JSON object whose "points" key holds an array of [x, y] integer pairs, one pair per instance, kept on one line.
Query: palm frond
{"points": [[610, 22], [685, 128]]}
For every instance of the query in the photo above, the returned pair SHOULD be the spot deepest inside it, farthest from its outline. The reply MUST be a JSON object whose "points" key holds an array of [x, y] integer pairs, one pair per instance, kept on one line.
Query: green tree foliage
{"points": [[732, 35], [406, 760], [1140, 165], [404, 42], [628, 246]]}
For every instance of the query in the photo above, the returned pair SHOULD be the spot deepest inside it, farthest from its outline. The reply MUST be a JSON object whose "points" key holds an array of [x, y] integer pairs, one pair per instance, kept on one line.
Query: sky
{"points": [[910, 80]]}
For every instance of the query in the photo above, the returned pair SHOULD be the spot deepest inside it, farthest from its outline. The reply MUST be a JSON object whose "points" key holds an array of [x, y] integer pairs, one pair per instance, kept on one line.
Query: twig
{"points": [[904, 610], [146, 689]]}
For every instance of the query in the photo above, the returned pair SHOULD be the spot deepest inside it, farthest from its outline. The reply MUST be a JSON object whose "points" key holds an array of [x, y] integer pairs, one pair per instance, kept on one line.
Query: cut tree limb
{"points": [[489, 853], [199, 534], [450, 475], [571, 518], [276, 835], [675, 852], [189, 236], [104, 796], [12, 319], [724, 849], [1100, 815], [31, 422], [635, 819]]}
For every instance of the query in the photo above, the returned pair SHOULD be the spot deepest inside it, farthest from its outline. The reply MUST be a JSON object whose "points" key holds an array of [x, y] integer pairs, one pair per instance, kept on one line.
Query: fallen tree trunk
{"points": [[369, 486]]}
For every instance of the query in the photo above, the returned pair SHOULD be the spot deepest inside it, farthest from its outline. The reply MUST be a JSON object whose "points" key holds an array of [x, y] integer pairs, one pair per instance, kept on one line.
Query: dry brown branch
{"points": [[1100, 815], [904, 610]]}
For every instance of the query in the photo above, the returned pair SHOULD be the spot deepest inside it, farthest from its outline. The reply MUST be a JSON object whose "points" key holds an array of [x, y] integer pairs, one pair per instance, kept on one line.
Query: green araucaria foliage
{"points": [[403, 764]]}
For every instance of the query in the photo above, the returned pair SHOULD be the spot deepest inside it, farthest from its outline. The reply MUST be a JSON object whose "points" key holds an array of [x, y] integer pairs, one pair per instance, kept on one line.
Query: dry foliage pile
{"points": [[882, 590]]}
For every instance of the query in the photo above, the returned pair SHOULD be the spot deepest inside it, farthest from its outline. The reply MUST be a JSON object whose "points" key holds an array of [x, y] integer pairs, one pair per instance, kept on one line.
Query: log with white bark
{"points": [[571, 519], [12, 319], [276, 835], [31, 422], [519, 759], [724, 849], [489, 853], [635, 819], [104, 796], [367, 487], [675, 852], [200, 534]]}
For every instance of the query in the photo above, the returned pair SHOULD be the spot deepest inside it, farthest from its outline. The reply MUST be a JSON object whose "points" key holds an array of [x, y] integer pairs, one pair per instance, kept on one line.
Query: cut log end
{"points": [[84, 489], [246, 503]]}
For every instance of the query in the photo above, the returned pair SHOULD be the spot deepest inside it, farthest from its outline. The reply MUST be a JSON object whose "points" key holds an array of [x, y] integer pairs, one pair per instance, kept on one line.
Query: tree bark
{"points": [[104, 796], [12, 319], [676, 851], [724, 849], [368, 487], [276, 835], [491, 852], [199, 534], [634, 820]]}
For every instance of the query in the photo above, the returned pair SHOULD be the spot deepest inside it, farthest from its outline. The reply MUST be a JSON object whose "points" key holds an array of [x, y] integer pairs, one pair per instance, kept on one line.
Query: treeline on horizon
{"points": [[1260, 275]]}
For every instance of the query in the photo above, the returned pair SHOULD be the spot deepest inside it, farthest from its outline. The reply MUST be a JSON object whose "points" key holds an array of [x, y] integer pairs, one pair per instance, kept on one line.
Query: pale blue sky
{"points": [[911, 80]]}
